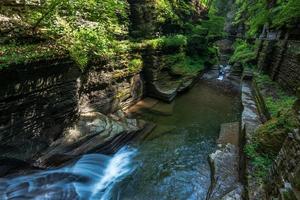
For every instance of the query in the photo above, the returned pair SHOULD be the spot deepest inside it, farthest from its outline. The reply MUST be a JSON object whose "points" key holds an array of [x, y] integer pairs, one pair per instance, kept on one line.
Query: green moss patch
{"points": [[180, 64], [274, 96], [267, 141], [16, 54]]}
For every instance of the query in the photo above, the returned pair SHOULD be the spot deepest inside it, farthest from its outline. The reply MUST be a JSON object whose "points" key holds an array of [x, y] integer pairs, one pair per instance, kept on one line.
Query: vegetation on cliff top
{"points": [[16, 54], [274, 96], [244, 53], [94, 29], [275, 14]]}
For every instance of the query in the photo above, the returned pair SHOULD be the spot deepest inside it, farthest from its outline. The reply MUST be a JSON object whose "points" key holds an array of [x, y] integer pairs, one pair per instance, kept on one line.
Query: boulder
{"points": [[164, 86]]}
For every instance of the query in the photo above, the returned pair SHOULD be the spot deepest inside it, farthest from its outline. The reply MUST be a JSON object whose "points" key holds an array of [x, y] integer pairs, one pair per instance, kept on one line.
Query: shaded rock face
{"points": [[142, 18], [39, 100], [280, 59], [102, 92], [160, 82], [226, 50], [284, 177], [36, 103]]}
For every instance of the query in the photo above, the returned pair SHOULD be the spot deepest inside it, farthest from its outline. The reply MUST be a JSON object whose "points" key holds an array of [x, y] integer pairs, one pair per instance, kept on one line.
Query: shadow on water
{"points": [[171, 163]]}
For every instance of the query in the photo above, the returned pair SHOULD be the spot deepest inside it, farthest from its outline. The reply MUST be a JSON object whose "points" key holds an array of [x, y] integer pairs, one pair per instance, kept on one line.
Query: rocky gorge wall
{"points": [[284, 179], [281, 60], [40, 99], [49, 100]]}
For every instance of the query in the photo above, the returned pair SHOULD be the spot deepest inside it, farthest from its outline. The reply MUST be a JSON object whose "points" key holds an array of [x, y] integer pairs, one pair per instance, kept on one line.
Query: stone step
{"points": [[139, 107], [163, 108], [229, 133]]}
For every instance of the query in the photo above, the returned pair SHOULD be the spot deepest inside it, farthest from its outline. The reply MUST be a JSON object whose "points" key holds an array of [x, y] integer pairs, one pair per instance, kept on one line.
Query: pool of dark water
{"points": [[172, 162]]}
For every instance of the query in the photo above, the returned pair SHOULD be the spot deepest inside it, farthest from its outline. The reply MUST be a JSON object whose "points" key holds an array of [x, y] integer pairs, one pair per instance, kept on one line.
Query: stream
{"points": [[170, 163]]}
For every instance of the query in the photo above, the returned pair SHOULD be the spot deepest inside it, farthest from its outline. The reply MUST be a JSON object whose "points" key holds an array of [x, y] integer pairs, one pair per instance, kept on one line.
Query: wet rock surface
{"points": [[167, 87], [229, 133], [93, 132], [225, 180], [152, 105]]}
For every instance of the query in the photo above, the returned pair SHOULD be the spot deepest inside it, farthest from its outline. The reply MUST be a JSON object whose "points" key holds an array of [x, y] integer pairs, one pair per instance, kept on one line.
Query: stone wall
{"points": [[39, 100], [251, 120], [281, 60], [284, 179]]}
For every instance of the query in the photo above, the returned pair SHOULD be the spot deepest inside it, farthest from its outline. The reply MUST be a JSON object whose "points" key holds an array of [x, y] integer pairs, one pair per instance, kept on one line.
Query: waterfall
{"points": [[223, 71], [91, 177]]}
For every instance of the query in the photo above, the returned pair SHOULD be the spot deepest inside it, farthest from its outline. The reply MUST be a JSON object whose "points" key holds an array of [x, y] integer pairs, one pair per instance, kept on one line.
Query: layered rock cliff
{"points": [[49, 106]]}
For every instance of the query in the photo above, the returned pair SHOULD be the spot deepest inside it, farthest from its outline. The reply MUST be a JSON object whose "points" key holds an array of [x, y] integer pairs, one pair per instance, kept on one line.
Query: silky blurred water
{"points": [[91, 177]]}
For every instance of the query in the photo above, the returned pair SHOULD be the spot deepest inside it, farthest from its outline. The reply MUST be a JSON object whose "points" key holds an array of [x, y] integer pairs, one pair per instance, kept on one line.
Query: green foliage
{"points": [[269, 137], [272, 134], [275, 98], [259, 15], [84, 28], [199, 30], [181, 64], [165, 11], [176, 41], [261, 162], [197, 44], [287, 13], [275, 105], [244, 53], [255, 14], [15, 54], [215, 25], [267, 141], [98, 29], [135, 65]]}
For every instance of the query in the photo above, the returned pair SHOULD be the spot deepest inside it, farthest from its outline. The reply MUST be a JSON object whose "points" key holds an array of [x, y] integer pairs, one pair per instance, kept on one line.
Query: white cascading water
{"points": [[223, 71], [91, 177]]}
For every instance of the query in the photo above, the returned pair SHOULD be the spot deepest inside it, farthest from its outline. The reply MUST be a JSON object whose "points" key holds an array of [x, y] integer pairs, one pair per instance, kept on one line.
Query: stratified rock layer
{"points": [[93, 132], [39, 100]]}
